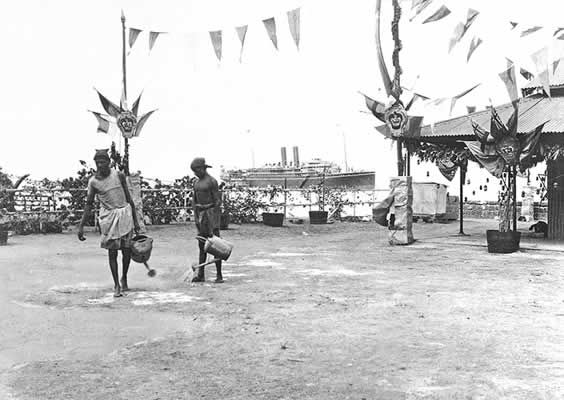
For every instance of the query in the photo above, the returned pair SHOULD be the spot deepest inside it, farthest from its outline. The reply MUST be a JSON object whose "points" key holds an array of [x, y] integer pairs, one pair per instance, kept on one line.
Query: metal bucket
{"points": [[217, 247]]}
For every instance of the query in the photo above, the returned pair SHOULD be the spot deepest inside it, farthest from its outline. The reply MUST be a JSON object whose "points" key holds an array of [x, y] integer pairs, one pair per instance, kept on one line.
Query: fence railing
{"points": [[176, 200]]}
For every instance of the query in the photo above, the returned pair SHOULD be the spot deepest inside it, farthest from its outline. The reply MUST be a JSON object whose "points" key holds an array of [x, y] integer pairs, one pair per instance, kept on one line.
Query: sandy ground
{"points": [[307, 312]]}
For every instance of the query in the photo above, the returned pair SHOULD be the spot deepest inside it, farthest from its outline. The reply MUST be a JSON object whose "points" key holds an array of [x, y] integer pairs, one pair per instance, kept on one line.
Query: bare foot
{"points": [[117, 292], [124, 286]]}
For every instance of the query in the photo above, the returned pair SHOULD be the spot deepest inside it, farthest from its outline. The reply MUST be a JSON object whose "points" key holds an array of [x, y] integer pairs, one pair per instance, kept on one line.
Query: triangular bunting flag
{"points": [[461, 28], [153, 38], [133, 33], [460, 95], [270, 25], [555, 65], [103, 122], [216, 42], [526, 74], [241, 32], [420, 7], [415, 3], [135, 107], [142, 121], [110, 107], [476, 41], [530, 30], [557, 31], [439, 14], [123, 101], [378, 109], [294, 22], [508, 77], [540, 59]]}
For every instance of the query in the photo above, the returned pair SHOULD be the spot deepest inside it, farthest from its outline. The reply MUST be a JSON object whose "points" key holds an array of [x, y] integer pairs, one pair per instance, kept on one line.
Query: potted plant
{"points": [[501, 152], [274, 216], [319, 216], [6, 225]]}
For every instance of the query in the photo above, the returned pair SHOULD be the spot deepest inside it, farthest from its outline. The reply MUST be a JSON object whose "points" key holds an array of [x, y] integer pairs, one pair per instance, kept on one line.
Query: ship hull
{"points": [[354, 180]]}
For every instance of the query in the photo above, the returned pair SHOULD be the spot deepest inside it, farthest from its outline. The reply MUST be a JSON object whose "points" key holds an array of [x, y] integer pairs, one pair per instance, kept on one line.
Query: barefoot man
{"points": [[206, 202], [117, 217]]}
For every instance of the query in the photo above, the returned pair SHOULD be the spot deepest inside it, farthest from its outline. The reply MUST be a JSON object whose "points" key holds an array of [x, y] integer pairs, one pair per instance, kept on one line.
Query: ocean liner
{"points": [[299, 175]]}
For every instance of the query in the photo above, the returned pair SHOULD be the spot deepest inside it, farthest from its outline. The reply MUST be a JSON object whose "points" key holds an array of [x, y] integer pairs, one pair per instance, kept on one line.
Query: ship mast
{"points": [[345, 151]]}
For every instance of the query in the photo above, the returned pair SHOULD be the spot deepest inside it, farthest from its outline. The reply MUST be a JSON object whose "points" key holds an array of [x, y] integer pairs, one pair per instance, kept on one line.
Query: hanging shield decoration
{"points": [[127, 122], [508, 148], [396, 119]]}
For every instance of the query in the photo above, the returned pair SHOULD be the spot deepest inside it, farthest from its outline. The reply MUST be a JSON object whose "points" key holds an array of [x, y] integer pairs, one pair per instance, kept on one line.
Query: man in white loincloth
{"points": [[206, 203], [117, 218]]}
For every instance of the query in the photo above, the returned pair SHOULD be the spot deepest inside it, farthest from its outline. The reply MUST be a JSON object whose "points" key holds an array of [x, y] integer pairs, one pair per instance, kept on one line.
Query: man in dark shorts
{"points": [[117, 217], [206, 203]]}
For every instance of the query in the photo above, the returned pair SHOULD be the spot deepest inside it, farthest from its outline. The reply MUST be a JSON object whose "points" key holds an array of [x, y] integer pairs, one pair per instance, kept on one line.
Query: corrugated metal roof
{"points": [[556, 78], [533, 111]]}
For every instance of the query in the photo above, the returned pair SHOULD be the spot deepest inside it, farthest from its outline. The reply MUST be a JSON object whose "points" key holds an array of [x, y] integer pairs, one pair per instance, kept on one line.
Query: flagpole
{"points": [[124, 70]]}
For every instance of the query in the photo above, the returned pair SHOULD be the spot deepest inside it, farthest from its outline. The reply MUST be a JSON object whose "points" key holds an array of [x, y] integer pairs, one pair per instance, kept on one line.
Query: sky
{"points": [[235, 113]]}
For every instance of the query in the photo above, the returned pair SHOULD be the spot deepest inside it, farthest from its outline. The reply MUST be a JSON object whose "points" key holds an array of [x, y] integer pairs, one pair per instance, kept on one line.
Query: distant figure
{"points": [[206, 203], [539, 227], [117, 219]]}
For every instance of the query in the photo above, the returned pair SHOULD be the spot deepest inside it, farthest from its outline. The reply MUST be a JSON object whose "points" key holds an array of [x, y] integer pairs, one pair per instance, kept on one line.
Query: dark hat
{"points": [[101, 153], [199, 162]]}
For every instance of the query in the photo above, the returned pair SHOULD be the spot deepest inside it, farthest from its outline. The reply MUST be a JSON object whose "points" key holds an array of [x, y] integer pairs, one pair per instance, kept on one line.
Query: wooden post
{"points": [[285, 195], [514, 195], [400, 157], [124, 70], [461, 200]]}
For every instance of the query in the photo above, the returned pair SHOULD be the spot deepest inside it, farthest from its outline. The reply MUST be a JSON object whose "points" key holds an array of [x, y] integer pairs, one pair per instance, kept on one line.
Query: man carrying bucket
{"points": [[206, 202], [117, 216]]}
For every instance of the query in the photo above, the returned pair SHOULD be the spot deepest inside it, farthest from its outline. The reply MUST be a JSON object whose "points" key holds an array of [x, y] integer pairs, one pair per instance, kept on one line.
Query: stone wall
{"points": [[489, 209]]}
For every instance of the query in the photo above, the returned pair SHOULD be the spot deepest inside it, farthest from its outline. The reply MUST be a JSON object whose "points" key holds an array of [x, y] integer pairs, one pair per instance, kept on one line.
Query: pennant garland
{"points": [[476, 41], [438, 15], [216, 42], [270, 25], [241, 32], [294, 22], [216, 36]]}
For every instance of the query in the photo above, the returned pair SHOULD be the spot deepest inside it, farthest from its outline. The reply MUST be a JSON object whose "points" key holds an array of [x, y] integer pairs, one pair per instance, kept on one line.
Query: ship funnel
{"points": [[296, 157], [283, 153]]}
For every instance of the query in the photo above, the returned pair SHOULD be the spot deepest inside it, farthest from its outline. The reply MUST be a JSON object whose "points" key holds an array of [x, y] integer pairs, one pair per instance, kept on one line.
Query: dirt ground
{"points": [[306, 312]]}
